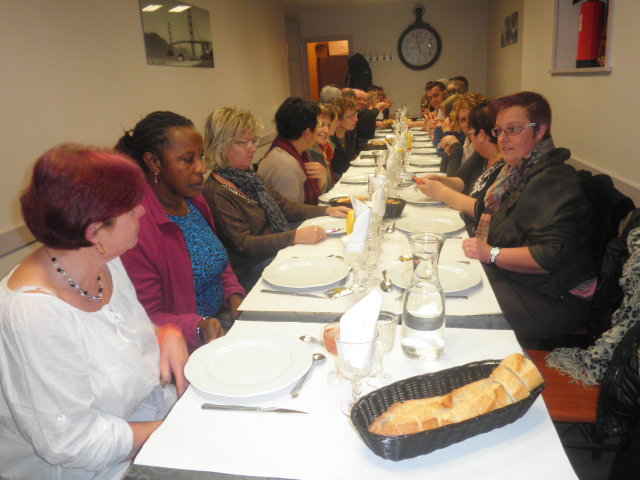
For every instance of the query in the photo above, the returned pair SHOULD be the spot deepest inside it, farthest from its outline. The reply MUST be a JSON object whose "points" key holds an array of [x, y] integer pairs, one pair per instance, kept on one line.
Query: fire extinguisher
{"points": [[590, 31]]}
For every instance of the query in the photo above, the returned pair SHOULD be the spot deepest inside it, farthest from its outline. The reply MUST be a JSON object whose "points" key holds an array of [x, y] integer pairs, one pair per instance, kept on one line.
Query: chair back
{"points": [[608, 207], [619, 399]]}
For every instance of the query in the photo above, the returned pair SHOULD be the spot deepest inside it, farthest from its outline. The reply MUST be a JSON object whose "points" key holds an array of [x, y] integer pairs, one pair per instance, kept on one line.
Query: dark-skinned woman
{"points": [[180, 269]]}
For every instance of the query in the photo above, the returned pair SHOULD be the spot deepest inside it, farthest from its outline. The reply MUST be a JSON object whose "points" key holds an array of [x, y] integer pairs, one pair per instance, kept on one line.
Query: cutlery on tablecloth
{"points": [[213, 406], [295, 294], [330, 294], [462, 297], [317, 357]]}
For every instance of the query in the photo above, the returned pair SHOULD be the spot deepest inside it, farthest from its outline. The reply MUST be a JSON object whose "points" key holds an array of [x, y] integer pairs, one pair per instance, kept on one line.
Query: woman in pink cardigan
{"points": [[179, 267]]}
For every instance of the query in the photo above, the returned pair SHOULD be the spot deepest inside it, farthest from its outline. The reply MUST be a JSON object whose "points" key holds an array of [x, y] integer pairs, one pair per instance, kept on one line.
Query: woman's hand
{"points": [[210, 328], [432, 188], [340, 212], [447, 142], [317, 172], [429, 176], [476, 248], [234, 302], [309, 235], [173, 357]]}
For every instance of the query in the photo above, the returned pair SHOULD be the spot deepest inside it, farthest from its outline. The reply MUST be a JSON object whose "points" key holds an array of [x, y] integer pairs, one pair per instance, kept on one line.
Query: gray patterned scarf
{"points": [[251, 185], [589, 366]]}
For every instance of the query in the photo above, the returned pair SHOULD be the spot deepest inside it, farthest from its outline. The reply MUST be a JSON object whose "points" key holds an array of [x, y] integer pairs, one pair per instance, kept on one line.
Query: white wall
{"points": [[460, 23], [504, 75], [593, 115], [75, 70]]}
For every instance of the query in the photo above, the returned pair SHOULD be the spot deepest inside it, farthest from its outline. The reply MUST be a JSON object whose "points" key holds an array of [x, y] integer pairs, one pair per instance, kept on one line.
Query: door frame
{"points": [[305, 58]]}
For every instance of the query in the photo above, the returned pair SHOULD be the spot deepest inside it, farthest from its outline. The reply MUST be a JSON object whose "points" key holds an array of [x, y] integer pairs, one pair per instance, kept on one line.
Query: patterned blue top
{"points": [[209, 259]]}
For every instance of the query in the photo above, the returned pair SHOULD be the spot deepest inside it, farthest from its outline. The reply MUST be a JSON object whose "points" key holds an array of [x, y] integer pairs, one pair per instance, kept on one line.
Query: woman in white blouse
{"points": [[81, 369]]}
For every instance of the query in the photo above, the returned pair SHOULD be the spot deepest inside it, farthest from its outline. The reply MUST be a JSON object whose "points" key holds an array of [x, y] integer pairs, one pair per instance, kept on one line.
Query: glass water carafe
{"points": [[423, 308]]}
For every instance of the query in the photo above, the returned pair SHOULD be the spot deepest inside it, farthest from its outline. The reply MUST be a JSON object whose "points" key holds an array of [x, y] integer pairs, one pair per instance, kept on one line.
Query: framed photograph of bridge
{"points": [[176, 34]]}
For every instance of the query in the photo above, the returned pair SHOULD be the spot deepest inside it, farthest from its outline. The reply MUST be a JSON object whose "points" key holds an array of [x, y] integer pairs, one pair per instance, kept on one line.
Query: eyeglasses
{"points": [[510, 131], [321, 124], [248, 143]]}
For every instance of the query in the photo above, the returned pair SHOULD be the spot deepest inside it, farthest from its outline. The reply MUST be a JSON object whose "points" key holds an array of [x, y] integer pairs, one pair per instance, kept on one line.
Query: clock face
{"points": [[419, 47]]}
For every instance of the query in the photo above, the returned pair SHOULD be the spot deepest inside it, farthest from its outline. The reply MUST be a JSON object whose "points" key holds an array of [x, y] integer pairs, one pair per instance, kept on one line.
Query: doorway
{"points": [[327, 64]]}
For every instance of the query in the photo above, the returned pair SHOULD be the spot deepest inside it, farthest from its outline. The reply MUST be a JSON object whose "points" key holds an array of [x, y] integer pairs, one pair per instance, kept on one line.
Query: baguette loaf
{"points": [[510, 382]]}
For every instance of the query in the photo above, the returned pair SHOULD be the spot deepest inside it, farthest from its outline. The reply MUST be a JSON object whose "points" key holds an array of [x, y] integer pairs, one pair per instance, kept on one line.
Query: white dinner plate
{"points": [[355, 179], [364, 162], [444, 221], [254, 363], [416, 197], [454, 276], [328, 223], [424, 150], [424, 160], [384, 130], [305, 273]]}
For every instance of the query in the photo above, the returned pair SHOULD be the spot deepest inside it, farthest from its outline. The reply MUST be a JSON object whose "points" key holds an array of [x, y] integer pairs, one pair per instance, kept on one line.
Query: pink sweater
{"points": [[160, 268]]}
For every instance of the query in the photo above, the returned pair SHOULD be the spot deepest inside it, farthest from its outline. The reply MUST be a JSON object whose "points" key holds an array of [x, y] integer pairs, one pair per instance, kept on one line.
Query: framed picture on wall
{"points": [[509, 34], [176, 34]]}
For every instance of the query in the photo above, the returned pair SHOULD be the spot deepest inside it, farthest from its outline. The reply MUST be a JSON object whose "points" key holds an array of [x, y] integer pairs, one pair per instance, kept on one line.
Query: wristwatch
{"points": [[493, 254], [199, 329]]}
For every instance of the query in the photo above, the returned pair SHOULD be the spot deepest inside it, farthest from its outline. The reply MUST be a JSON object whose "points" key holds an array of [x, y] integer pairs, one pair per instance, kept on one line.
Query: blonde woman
{"points": [[253, 220]]}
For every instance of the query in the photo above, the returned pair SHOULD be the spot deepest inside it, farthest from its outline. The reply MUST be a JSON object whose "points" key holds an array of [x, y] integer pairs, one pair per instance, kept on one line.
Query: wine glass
{"points": [[329, 343], [386, 327], [354, 254], [356, 361], [372, 252]]}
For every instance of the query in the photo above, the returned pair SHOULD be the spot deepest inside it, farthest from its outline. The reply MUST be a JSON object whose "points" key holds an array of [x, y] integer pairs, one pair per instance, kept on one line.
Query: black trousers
{"points": [[534, 315]]}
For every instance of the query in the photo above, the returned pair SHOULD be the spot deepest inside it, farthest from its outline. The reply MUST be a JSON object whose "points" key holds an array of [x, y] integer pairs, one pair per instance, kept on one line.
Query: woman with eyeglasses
{"points": [[534, 234], [322, 150], [344, 137], [253, 220], [180, 269], [465, 192]]}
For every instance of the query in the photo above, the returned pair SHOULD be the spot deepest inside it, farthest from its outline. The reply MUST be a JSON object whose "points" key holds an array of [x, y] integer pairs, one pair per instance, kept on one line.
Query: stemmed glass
{"points": [[354, 254], [386, 327], [356, 361], [329, 343], [372, 252]]}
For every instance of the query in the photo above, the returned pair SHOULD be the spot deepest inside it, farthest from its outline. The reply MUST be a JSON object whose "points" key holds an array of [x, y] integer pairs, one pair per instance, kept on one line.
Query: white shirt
{"points": [[70, 380]]}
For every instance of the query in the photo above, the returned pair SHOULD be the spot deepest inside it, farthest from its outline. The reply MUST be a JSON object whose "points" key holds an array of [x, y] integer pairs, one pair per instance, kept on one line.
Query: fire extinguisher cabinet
{"points": [[589, 33]]}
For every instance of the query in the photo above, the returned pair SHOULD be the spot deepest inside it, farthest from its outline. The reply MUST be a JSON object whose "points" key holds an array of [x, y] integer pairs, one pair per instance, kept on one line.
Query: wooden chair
{"points": [[608, 410]]}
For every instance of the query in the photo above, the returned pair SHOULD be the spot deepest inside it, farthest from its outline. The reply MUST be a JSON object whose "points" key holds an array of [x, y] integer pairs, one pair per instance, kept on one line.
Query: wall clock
{"points": [[419, 46]]}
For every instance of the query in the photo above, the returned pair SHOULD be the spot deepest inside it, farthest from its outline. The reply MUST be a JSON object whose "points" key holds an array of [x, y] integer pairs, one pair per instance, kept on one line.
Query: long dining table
{"points": [[193, 443]]}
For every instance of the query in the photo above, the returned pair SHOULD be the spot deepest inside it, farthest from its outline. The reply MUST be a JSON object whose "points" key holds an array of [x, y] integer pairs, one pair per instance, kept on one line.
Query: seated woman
{"points": [[459, 148], [466, 191], [180, 269], [252, 218], [344, 138], [322, 150], [286, 167], [81, 370], [534, 234]]}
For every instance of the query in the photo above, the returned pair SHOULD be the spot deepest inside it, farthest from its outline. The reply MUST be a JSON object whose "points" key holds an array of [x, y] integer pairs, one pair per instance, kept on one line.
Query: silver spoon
{"points": [[391, 228], [385, 284], [311, 340], [317, 357]]}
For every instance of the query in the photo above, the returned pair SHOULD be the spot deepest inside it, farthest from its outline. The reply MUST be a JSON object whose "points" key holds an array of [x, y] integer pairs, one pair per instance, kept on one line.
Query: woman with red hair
{"points": [[81, 369], [534, 233]]}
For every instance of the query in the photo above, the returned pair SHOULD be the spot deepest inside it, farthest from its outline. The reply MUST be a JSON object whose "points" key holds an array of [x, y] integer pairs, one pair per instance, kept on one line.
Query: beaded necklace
{"points": [[74, 284]]}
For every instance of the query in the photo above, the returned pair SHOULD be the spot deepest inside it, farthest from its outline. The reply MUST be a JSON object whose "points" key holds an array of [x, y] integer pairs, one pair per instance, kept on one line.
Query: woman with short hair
{"points": [[253, 220], [82, 369], [534, 234], [344, 139]]}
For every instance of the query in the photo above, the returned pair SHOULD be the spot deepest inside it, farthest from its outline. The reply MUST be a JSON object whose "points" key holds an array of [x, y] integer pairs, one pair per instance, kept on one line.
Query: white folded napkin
{"points": [[354, 242], [358, 324], [379, 202], [358, 206]]}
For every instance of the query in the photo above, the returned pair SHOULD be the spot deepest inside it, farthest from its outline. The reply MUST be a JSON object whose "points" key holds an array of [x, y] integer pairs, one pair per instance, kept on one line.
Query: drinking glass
{"points": [[386, 327], [381, 161], [354, 254], [356, 361], [329, 343], [372, 252]]}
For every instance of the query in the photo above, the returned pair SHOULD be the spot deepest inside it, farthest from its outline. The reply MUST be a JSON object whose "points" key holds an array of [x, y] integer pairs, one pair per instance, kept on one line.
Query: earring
{"points": [[155, 177], [100, 248]]}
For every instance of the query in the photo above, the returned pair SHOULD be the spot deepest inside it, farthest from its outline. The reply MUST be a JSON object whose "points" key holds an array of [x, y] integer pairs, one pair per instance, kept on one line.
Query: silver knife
{"points": [[295, 294], [213, 406]]}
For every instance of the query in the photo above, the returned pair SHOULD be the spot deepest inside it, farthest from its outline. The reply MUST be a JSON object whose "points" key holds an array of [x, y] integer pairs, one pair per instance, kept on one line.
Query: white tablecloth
{"points": [[324, 445]]}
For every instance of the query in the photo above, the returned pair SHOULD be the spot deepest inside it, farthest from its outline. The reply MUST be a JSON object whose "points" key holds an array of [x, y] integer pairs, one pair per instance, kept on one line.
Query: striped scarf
{"points": [[508, 178]]}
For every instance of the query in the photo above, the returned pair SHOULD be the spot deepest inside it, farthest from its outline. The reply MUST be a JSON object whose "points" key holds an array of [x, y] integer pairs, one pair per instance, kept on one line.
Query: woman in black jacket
{"points": [[535, 230]]}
